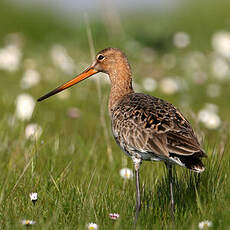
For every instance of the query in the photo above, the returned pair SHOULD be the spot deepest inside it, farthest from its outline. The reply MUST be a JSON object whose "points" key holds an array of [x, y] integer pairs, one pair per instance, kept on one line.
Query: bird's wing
{"points": [[181, 138], [132, 138], [148, 124]]}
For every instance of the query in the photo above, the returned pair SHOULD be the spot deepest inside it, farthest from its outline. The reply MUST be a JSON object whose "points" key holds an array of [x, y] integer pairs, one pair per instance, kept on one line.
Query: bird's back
{"points": [[153, 129]]}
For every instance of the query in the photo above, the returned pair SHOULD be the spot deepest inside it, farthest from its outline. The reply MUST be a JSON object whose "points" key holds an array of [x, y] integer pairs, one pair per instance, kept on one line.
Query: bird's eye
{"points": [[100, 57]]}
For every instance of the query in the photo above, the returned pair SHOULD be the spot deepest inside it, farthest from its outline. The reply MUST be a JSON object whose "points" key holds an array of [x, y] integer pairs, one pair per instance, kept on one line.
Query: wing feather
{"points": [[148, 124]]}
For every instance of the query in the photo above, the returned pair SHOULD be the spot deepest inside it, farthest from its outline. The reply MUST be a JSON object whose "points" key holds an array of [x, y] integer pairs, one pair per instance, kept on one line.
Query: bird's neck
{"points": [[121, 85]]}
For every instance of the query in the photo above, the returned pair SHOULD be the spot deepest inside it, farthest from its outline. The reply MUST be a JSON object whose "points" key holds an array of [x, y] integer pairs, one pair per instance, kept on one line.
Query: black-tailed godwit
{"points": [[145, 127]]}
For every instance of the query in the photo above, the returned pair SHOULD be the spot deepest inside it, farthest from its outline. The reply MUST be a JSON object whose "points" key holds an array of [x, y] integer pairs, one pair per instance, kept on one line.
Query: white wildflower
{"points": [[34, 197], [30, 78], [103, 78], [126, 173], [24, 106], [33, 131], [169, 85], [61, 59], [211, 107], [205, 224], [220, 68], [114, 216], [181, 39], [92, 226], [28, 222], [149, 84], [10, 57], [209, 117], [221, 43]]}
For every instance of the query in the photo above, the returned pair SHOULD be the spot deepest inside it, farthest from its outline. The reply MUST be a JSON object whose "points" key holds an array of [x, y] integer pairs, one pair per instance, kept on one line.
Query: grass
{"points": [[70, 166]]}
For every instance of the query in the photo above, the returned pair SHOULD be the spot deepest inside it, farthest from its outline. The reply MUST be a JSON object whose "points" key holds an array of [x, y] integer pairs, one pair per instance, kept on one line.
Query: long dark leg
{"points": [[169, 167], [137, 163]]}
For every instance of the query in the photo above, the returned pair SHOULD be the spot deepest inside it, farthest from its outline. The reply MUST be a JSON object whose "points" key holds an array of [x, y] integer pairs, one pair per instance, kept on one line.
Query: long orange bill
{"points": [[87, 73]]}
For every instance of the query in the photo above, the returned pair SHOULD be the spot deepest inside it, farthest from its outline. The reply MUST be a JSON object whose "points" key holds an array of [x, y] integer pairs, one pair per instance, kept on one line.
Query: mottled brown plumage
{"points": [[152, 129], [145, 127]]}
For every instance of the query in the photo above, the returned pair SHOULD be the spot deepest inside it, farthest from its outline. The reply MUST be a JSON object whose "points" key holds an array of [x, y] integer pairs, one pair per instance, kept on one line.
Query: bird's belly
{"points": [[132, 152], [143, 155], [146, 156]]}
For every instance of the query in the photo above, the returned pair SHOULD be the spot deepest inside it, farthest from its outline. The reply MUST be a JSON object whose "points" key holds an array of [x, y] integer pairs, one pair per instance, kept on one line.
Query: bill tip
{"points": [[40, 99]]}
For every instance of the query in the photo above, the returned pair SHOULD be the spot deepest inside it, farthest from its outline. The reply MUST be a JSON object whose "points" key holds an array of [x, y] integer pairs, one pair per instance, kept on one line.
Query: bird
{"points": [[145, 127]]}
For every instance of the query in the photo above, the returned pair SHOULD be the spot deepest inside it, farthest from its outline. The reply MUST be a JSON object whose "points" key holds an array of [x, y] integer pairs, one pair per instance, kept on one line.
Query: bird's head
{"points": [[111, 61]]}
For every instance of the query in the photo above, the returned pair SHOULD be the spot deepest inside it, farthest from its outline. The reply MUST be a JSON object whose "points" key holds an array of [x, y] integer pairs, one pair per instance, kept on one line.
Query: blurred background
{"points": [[178, 50]]}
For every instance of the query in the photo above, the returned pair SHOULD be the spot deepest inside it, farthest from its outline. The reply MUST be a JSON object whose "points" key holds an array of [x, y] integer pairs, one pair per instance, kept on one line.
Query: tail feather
{"points": [[192, 162]]}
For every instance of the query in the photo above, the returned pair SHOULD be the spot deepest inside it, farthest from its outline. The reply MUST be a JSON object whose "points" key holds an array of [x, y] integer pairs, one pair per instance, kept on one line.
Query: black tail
{"points": [[192, 162]]}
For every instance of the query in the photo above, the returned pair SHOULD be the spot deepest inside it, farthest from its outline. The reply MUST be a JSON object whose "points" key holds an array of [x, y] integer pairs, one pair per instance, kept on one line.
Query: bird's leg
{"points": [[169, 167], [137, 163]]}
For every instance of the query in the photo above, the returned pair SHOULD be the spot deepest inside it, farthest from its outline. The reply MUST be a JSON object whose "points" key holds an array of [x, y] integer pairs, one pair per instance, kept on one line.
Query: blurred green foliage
{"points": [[70, 165]]}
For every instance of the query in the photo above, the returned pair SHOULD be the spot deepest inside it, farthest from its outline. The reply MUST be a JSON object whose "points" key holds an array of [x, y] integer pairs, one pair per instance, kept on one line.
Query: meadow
{"points": [[63, 148]]}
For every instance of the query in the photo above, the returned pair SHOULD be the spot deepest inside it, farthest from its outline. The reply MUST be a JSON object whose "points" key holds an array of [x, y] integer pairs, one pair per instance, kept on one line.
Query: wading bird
{"points": [[145, 127]]}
